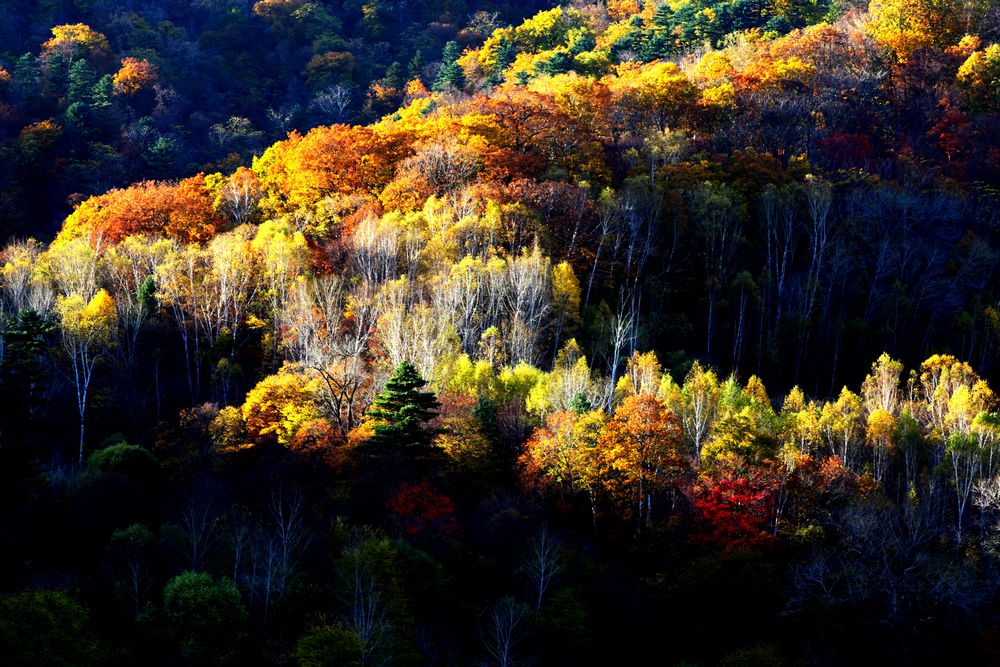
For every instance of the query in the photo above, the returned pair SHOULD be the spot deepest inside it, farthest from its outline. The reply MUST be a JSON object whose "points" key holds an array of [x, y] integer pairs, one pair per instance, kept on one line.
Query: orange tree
{"points": [[640, 453]]}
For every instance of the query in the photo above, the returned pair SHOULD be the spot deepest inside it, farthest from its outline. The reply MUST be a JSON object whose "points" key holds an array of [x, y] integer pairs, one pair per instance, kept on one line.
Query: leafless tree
{"points": [[543, 563], [240, 194], [198, 523], [528, 298], [505, 630], [376, 250], [332, 102], [367, 614], [445, 166]]}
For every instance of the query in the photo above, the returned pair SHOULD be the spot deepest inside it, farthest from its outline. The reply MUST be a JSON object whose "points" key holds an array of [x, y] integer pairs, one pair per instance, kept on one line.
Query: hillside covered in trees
{"points": [[460, 333]]}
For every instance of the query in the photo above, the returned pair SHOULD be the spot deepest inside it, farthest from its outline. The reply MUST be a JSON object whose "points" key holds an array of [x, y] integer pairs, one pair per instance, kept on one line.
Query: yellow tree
{"points": [[979, 76], [75, 40], [565, 301], [879, 434], [801, 420], [568, 385], [699, 405], [563, 454], [88, 330], [284, 254], [971, 431], [279, 405], [880, 390], [841, 425], [643, 375]]}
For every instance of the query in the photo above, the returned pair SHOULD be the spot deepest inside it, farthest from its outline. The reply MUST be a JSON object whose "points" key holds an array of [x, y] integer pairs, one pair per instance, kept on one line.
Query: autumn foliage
{"points": [[183, 211]]}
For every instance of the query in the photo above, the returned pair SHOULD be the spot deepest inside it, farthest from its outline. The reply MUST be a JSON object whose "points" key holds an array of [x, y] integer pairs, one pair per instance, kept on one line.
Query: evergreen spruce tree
{"points": [[27, 77], [505, 54], [486, 413], [23, 377], [580, 404], [55, 75], [394, 77], [415, 68], [402, 411], [102, 94], [82, 79], [450, 75], [560, 63]]}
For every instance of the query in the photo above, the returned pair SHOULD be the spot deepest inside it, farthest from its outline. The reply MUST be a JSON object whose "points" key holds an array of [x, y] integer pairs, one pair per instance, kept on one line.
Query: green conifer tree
{"points": [[402, 411], [82, 78], [415, 68], [23, 377], [450, 75]]}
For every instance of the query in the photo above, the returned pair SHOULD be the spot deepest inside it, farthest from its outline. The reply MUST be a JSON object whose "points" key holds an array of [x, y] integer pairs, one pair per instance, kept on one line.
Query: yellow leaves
{"points": [[471, 378], [778, 72], [228, 430], [279, 405], [40, 135], [657, 92], [564, 452], [518, 381], [643, 373], [722, 96], [907, 26], [979, 75], [283, 250], [613, 33], [880, 428], [569, 379], [794, 69], [94, 320], [72, 39], [566, 296], [713, 68], [756, 392]]}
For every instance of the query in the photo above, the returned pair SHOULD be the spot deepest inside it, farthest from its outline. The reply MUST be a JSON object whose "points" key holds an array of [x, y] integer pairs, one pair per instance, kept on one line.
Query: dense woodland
{"points": [[491, 333]]}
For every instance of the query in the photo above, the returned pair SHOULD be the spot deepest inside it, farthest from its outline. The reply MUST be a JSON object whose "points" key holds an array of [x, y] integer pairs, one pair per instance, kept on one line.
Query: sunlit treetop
{"points": [[135, 75], [75, 40]]}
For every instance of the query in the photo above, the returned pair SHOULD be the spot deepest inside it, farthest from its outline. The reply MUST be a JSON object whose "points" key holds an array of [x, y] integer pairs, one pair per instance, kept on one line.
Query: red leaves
{"points": [[420, 509], [735, 504]]}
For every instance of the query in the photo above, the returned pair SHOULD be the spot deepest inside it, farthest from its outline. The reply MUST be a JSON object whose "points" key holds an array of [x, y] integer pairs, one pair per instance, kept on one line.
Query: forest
{"points": [[472, 332]]}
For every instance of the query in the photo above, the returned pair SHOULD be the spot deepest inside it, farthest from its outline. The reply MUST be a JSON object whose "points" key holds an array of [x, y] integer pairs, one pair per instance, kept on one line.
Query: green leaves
{"points": [[402, 410]]}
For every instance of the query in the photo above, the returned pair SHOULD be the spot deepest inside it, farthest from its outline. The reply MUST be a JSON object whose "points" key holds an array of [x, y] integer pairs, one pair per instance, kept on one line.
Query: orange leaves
{"points": [[183, 211], [562, 454], [622, 9], [640, 451], [134, 75], [529, 128], [302, 170], [778, 73]]}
